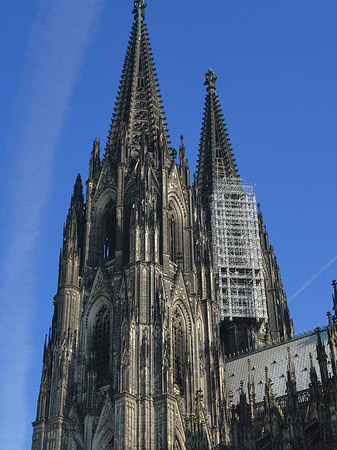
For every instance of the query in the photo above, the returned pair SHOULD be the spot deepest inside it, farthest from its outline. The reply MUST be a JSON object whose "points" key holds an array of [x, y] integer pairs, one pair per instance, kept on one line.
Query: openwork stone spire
{"points": [[215, 155], [138, 114]]}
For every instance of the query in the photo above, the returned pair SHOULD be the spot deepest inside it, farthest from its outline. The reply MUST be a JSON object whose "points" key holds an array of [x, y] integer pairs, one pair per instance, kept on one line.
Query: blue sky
{"points": [[61, 64]]}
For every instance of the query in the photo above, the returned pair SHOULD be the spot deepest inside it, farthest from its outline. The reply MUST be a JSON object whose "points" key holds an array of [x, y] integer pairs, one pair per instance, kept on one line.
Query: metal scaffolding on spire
{"points": [[236, 250]]}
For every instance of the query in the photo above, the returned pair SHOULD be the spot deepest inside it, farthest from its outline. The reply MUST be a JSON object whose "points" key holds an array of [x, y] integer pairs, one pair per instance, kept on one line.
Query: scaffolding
{"points": [[237, 255]]}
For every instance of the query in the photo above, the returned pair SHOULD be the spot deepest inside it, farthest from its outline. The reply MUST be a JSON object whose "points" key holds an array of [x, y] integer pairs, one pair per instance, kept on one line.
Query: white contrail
{"points": [[56, 50], [317, 274]]}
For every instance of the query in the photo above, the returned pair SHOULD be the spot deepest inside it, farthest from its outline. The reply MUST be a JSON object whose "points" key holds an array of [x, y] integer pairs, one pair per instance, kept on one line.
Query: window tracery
{"points": [[179, 348], [173, 237], [175, 233], [109, 231], [101, 344]]}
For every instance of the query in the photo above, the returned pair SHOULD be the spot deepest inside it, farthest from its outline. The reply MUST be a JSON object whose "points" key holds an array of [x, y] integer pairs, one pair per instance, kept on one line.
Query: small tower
{"points": [[62, 342], [252, 313]]}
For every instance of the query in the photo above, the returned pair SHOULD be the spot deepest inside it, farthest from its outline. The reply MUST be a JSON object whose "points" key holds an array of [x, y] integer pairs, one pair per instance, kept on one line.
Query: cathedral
{"points": [[171, 328]]}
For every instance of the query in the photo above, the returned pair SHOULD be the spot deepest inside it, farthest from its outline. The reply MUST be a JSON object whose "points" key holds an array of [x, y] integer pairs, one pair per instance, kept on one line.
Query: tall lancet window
{"points": [[179, 349], [173, 237], [109, 231], [101, 344], [175, 232]]}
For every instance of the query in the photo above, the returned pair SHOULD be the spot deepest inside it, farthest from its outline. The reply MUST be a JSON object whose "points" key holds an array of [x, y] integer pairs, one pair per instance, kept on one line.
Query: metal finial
{"points": [[139, 7], [210, 78], [139, 12]]}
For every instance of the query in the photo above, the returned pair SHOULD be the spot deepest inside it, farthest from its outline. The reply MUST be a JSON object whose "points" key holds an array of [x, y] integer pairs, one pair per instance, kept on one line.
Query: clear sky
{"points": [[61, 64]]}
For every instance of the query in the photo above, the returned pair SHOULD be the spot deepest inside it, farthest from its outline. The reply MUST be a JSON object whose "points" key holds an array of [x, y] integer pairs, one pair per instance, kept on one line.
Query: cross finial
{"points": [[210, 78]]}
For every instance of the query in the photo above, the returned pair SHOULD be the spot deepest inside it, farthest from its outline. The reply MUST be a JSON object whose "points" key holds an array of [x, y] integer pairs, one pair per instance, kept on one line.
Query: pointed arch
{"points": [[130, 214], [76, 442], [175, 230], [109, 230], [180, 347], [179, 441], [202, 350], [105, 220], [101, 344], [105, 439], [99, 325], [101, 292], [173, 236]]}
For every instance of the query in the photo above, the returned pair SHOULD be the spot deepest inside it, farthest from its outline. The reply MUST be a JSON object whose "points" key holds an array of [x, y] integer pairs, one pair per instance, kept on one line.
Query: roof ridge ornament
{"points": [[210, 78]]}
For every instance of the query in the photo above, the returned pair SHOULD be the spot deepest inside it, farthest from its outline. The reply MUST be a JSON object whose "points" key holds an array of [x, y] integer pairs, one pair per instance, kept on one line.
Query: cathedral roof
{"points": [[138, 112], [276, 359], [216, 159]]}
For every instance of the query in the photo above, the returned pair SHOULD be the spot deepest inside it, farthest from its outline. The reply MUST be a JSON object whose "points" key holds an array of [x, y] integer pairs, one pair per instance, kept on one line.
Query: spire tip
{"points": [[210, 78], [139, 8]]}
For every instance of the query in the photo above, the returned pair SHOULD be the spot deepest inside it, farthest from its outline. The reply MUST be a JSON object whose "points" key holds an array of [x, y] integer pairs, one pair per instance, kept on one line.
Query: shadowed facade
{"points": [[135, 358]]}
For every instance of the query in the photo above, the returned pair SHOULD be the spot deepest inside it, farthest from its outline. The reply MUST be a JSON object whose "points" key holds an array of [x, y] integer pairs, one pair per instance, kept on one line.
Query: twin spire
{"points": [[216, 159], [138, 113], [139, 116]]}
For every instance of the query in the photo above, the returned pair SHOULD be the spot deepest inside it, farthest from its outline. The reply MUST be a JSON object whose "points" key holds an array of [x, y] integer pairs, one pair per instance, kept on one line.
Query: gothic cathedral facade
{"points": [[136, 354]]}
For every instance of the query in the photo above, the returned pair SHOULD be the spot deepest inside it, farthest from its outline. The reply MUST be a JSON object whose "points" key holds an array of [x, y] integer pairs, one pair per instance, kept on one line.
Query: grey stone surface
{"points": [[275, 358], [136, 355]]}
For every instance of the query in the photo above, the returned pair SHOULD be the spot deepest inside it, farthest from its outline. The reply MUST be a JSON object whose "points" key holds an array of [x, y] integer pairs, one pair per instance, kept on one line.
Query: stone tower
{"points": [[133, 358], [135, 355], [252, 304]]}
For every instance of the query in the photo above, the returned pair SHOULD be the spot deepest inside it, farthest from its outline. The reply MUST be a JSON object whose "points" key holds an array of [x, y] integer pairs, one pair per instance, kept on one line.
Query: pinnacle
{"points": [[291, 367], [311, 362], [250, 371], [78, 190], [78, 185]]}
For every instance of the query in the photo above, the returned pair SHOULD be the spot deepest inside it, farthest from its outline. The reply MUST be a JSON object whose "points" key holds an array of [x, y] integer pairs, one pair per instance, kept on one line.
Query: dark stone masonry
{"points": [[171, 328]]}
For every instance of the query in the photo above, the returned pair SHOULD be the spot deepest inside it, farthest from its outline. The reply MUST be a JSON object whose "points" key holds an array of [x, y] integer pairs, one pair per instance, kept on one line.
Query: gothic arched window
{"points": [[101, 344], [129, 226], [109, 231], [173, 237], [179, 348], [175, 232]]}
